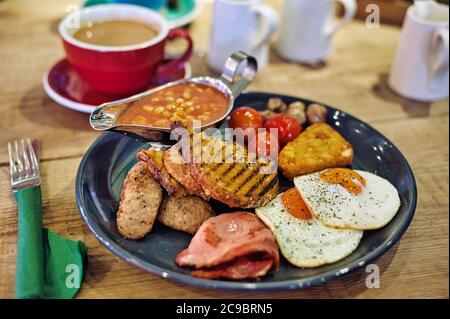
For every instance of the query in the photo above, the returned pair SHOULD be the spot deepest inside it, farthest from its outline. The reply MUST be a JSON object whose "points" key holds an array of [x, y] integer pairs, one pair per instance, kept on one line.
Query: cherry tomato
{"points": [[264, 144], [288, 127], [246, 117]]}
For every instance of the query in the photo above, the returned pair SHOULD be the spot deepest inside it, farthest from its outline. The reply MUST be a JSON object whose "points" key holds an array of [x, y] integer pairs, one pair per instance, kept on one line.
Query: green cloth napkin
{"points": [[48, 265]]}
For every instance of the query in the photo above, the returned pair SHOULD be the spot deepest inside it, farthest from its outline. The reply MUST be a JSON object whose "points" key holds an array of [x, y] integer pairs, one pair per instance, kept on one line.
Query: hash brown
{"points": [[317, 148]]}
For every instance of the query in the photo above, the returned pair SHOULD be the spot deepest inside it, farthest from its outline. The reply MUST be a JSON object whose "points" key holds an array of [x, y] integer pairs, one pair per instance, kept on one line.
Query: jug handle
{"points": [[239, 71], [269, 23], [439, 60], [350, 8]]}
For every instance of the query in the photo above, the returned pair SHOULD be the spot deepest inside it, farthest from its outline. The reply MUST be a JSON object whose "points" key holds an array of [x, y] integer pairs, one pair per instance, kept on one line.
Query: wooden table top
{"points": [[354, 79]]}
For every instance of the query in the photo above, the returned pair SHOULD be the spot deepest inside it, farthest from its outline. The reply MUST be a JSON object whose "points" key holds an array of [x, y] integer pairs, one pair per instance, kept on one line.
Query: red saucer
{"points": [[63, 85]]}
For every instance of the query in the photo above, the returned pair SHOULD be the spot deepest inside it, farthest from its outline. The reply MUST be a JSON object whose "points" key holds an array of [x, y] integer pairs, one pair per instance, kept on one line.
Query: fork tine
{"points": [[24, 167], [18, 159], [34, 162], [12, 163], [26, 158]]}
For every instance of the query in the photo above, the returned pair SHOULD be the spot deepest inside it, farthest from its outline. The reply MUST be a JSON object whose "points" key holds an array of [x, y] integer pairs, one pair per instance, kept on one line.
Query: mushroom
{"points": [[276, 104], [316, 113], [297, 110]]}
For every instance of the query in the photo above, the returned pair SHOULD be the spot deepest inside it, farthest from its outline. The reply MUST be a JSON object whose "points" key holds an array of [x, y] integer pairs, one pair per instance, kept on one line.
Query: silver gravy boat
{"points": [[239, 71]]}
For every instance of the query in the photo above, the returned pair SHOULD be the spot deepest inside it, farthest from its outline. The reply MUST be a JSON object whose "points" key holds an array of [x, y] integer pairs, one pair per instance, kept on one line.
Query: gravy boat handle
{"points": [[239, 71]]}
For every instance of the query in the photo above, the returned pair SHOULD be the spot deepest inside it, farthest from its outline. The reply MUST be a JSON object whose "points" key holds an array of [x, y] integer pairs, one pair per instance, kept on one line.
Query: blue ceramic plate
{"points": [[105, 164]]}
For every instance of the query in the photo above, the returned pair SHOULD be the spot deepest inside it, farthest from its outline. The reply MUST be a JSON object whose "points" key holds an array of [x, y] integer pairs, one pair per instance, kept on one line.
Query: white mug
{"points": [[308, 27], [420, 68], [240, 25]]}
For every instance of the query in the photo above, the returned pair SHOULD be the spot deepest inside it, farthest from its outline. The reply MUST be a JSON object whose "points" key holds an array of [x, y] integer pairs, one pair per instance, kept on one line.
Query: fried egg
{"points": [[349, 199], [304, 240]]}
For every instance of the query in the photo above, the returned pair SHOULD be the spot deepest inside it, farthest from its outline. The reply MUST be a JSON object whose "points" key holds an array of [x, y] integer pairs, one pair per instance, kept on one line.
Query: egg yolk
{"points": [[293, 202], [347, 178]]}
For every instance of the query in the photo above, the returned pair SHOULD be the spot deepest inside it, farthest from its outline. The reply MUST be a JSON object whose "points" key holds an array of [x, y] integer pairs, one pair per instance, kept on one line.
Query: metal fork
{"points": [[25, 183], [24, 167]]}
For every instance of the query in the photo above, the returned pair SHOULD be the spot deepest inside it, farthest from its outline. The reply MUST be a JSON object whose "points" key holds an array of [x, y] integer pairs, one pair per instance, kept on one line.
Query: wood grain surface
{"points": [[353, 79]]}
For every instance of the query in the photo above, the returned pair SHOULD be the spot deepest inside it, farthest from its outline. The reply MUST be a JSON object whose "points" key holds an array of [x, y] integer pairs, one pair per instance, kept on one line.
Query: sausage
{"points": [[139, 203], [184, 213]]}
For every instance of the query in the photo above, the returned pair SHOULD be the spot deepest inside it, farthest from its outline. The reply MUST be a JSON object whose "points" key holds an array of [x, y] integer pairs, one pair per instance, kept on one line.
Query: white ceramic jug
{"points": [[240, 25], [420, 68], [308, 26]]}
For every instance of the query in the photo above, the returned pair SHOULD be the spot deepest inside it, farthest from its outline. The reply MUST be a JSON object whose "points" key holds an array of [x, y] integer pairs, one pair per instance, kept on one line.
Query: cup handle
{"points": [[439, 60], [349, 12], [170, 65], [269, 24]]}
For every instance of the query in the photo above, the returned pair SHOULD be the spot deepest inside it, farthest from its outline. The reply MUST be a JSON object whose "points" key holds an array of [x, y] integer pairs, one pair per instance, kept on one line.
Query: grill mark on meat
{"points": [[239, 172], [240, 178], [269, 186], [224, 180], [222, 169], [259, 183], [262, 184], [229, 169], [251, 181], [244, 181], [232, 177]]}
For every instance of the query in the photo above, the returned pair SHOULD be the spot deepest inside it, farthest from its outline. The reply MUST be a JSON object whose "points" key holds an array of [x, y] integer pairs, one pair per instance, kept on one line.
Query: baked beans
{"points": [[182, 102]]}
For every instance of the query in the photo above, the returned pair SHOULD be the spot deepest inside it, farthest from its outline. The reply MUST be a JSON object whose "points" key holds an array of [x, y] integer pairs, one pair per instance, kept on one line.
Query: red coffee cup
{"points": [[121, 70]]}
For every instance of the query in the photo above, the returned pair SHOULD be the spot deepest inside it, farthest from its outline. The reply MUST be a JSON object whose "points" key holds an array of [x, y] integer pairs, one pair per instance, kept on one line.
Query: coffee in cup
{"points": [[116, 32], [119, 48]]}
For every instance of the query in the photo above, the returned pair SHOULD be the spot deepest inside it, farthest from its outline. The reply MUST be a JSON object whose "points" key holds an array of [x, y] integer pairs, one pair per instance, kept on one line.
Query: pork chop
{"points": [[231, 177]]}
